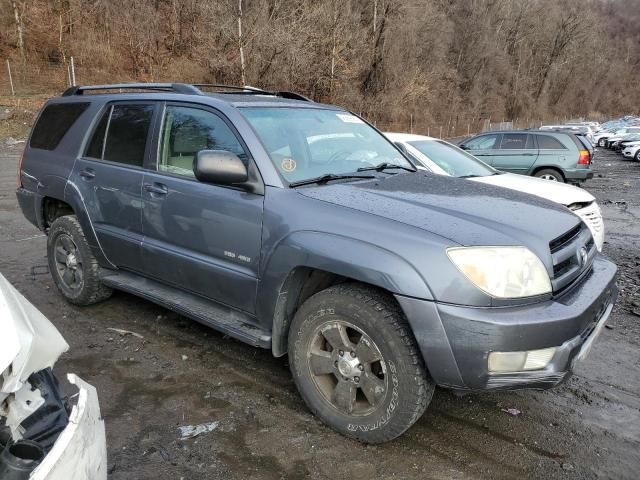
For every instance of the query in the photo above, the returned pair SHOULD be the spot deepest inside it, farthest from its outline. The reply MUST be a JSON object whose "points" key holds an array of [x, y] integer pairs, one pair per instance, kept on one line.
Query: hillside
{"points": [[432, 62]]}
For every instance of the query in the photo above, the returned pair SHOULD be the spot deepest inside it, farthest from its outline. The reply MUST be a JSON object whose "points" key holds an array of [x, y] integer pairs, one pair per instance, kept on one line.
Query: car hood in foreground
{"points": [[555, 191], [467, 213]]}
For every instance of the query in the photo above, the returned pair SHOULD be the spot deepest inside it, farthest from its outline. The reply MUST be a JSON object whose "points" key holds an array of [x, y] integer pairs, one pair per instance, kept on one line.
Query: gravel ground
{"points": [[182, 373]]}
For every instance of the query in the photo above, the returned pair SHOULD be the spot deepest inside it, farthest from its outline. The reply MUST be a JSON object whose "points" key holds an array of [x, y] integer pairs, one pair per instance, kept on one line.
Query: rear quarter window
{"points": [[54, 122], [546, 142]]}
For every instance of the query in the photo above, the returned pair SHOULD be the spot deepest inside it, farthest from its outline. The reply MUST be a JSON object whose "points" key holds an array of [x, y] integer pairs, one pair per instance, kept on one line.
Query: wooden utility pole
{"points": [[13, 92], [240, 43]]}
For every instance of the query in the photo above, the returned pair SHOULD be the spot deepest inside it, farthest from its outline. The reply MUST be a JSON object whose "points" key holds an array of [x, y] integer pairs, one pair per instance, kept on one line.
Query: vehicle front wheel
{"points": [[602, 142], [356, 363], [637, 156], [72, 265], [549, 174]]}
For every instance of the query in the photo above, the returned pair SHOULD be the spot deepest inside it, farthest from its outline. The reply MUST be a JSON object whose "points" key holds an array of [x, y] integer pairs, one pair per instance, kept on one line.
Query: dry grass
{"points": [[20, 113]]}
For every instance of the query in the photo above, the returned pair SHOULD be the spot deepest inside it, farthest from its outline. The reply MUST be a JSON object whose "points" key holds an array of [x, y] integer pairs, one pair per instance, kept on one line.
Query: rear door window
{"points": [[515, 141], [546, 142], [54, 122], [122, 133]]}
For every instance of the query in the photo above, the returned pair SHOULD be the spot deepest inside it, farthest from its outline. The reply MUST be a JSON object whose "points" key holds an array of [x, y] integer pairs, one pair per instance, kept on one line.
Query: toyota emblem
{"points": [[582, 256]]}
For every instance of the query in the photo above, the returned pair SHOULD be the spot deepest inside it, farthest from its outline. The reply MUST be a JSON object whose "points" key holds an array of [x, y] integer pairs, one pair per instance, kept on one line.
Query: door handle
{"points": [[156, 188], [87, 173]]}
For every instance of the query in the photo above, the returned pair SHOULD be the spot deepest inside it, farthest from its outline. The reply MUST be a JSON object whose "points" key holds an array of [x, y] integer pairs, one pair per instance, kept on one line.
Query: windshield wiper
{"points": [[386, 166], [473, 175], [326, 178]]}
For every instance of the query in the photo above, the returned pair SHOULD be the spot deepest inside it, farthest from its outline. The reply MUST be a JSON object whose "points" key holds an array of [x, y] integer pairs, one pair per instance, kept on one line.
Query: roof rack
{"points": [[163, 87], [184, 88]]}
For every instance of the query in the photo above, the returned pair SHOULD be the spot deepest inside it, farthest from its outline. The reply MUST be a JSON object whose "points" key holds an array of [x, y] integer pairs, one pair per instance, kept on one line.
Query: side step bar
{"points": [[225, 319]]}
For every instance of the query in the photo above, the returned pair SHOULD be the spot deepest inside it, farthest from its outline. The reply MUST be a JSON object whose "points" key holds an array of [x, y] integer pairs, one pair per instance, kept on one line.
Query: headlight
{"points": [[502, 272]]}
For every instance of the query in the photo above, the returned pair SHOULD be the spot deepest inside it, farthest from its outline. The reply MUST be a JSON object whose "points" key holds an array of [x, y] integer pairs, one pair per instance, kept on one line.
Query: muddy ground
{"points": [[182, 373]]}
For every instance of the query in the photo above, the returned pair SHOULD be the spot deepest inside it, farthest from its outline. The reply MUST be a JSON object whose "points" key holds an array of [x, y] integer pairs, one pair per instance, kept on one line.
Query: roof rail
{"points": [[171, 87], [245, 89], [292, 96], [184, 88]]}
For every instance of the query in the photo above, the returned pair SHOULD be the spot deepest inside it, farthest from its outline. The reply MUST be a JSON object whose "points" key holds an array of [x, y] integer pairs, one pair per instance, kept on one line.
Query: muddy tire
{"points": [[549, 174], [356, 363], [72, 265]]}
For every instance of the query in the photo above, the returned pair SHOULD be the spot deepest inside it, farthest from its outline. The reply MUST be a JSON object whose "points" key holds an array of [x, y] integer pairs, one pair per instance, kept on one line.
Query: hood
{"points": [[555, 191], [28, 342], [467, 213]]}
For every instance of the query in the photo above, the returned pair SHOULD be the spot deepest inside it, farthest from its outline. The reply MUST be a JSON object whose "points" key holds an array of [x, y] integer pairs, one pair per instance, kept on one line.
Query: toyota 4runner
{"points": [[296, 226]]}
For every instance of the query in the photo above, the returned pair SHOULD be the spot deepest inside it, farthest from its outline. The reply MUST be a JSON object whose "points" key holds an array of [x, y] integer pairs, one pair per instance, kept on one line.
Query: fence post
{"points": [[13, 92], [73, 73]]}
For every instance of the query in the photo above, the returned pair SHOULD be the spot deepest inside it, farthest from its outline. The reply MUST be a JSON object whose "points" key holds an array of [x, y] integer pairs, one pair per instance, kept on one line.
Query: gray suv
{"points": [[296, 226]]}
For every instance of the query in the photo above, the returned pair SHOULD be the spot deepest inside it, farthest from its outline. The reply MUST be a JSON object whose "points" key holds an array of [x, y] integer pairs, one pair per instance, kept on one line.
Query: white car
{"points": [[632, 150], [444, 158], [601, 138], [44, 439], [578, 128]]}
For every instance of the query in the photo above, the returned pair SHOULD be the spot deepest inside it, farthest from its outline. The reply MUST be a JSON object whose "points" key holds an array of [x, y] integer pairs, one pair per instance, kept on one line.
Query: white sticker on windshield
{"points": [[347, 118]]}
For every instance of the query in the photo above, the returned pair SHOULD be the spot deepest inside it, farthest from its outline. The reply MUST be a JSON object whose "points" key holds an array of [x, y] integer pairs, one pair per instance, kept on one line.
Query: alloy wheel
{"points": [[549, 177], [68, 262], [347, 368]]}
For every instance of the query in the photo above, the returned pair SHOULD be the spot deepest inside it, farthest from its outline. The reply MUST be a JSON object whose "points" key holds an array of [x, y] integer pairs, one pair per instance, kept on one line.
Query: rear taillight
{"points": [[585, 157], [18, 175]]}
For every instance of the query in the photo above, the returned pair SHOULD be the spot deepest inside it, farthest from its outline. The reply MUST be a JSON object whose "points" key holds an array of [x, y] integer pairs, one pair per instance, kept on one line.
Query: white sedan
{"points": [[444, 158], [632, 150], [46, 435]]}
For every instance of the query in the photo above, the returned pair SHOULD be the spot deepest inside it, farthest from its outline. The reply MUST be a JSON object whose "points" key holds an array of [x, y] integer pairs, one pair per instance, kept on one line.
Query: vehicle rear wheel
{"points": [[73, 267], [549, 174], [356, 363]]}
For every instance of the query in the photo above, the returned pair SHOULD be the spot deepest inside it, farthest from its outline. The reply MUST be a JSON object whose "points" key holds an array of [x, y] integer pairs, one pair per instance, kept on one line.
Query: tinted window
{"points": [[94, 150], [545, 142], [485, 142], [186, 131], [55, 120], [514, 141], [127, 134]]}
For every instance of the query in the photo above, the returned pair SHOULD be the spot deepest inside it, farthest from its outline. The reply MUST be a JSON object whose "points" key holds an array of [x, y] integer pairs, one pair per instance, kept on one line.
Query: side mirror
{"points": [[219, 166], [463, 146]]}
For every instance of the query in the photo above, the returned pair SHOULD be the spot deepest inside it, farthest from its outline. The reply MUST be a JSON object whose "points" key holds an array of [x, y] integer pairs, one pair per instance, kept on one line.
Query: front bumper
{"points": [[455, 341]]}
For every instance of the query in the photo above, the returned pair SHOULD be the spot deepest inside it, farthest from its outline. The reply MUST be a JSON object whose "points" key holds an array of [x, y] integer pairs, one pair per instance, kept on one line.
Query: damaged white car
{"points": [[43, 434]]}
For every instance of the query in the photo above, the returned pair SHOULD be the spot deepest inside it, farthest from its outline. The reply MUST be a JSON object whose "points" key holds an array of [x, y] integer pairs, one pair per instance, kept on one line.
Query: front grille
{"points": [[591, 216], [562, 240], [569, 262]]}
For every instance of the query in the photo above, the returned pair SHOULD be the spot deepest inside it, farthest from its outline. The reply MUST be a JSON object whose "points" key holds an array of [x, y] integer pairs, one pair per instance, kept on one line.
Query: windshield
{"points": [[451, 159], [304, 143]]}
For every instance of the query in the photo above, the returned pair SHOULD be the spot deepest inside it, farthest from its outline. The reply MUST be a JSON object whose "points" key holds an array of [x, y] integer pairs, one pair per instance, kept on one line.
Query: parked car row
{"points": [[298, 227]]}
